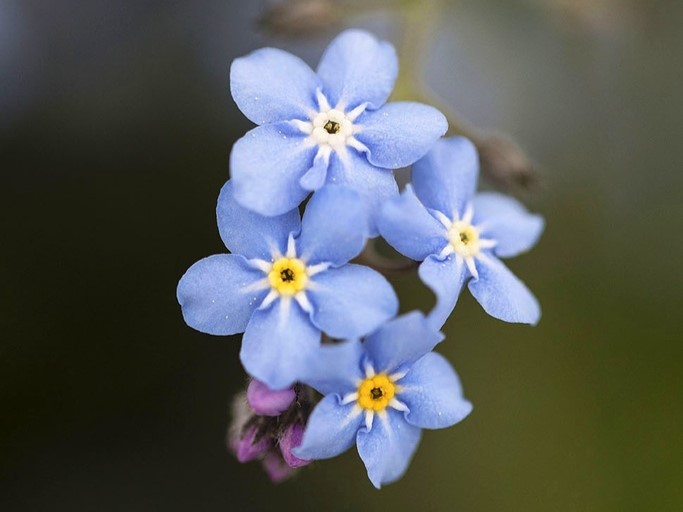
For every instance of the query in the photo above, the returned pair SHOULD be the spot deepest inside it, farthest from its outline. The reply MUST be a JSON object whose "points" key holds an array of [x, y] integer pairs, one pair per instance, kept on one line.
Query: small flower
{"points": [[379, 394], [286, 281], [460, 235], [267, 402], [329, 126]]}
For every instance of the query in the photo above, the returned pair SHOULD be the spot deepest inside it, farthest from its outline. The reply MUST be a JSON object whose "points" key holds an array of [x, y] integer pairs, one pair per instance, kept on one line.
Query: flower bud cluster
{"points": [[267, 425]]}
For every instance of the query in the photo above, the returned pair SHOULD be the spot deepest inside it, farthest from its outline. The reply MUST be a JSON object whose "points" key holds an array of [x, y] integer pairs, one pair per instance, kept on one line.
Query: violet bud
{"points": [[248, 448], [276, 468], [266, 402], [290, 440]]}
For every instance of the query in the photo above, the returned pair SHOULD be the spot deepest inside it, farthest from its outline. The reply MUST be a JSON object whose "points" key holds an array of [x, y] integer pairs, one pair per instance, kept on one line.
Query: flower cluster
{"points": [[332, 365]]}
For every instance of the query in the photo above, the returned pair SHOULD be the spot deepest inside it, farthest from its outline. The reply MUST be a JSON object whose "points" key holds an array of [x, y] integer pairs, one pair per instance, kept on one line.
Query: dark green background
{"points": [[115, 132]]}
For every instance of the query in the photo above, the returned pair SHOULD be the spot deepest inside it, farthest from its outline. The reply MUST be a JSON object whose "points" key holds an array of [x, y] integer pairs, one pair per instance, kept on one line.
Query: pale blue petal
{"points": [[387, 449], [335, 368], [401, 342], [398, 134], [277, 344], [334, 227], [445, 278], [446, 178], [409, 228], [215, 295], [356, 68], [505, 220], [250, 234], [330, 431], [316, 175], [271, 85], [351, 301], [433, 394], [266, 166], [374, 185], [502, 294]]}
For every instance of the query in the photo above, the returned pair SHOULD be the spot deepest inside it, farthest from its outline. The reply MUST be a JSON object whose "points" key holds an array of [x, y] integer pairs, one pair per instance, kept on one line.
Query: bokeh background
{"points": [[116, 124]]}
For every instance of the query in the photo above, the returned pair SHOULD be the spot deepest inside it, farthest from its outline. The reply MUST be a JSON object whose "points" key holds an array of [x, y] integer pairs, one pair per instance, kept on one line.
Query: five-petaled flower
{"points": [[329, 126], [379, 394], [286, 281], [460, 235]]}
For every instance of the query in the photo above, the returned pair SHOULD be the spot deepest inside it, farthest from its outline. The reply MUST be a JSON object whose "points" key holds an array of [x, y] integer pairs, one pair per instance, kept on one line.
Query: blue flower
{"points": [[379, 394], [329, 126], [286, 281], [460, 235]]}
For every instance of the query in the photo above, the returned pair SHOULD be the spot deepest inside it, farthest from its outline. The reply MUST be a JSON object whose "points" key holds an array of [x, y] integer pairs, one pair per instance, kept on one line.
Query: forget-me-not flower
{"points": [[460, 234], [286, 281], [379, 394], [328, 126]]}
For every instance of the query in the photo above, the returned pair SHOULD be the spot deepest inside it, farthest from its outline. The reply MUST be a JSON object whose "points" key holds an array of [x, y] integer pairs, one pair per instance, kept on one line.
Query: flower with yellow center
{"points": [[288, 276], [375, 393]]}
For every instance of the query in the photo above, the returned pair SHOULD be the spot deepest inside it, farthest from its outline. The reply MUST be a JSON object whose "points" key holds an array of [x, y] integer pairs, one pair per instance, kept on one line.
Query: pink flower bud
{"points": [[247, 448], [290, 440], [266, 402]]}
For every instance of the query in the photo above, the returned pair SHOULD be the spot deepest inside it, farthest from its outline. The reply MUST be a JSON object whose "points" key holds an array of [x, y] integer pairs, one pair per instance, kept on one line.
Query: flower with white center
{"points": [[287, 280], [460, 235], [379, 394], [331, 126]]}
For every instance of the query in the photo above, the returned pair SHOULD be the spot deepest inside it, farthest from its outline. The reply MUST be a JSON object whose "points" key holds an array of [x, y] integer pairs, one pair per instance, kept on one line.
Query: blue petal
{"points": [[505, 220], [400, 133], [335, 368], [374, 185], [334, 227], [214, 294], [250, 234], [266, 166], [387, 449], [446, 178], [401, 341], [316, 175], [433, 393], [351, 301], [502, 295], [445, 278], [356, 68], [330, 431], [409, 228], [271, 85], [277, 344]]}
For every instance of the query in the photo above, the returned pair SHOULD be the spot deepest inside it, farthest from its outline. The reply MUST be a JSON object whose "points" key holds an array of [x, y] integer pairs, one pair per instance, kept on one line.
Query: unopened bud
{"points": [[266, 402], [505, 164], [301, 17], [276, 468], [290, 440], [250, 446]]}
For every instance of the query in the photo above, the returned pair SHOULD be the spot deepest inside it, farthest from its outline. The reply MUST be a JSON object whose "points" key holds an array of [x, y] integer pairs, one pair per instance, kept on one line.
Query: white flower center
{"points": [[332, 129], [464, 239]]}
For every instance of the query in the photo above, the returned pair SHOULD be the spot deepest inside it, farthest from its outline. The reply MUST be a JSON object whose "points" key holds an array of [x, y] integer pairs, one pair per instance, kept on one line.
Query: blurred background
{"points": [[116, 124]]}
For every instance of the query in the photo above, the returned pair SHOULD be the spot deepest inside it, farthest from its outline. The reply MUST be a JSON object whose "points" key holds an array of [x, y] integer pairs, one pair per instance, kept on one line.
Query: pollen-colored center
{"points": [[464, 239], [332, 127], [376, 392], [288, 276]]}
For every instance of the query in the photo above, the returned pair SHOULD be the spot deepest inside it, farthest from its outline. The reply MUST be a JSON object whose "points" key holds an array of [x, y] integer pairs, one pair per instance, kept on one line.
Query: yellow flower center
{"points": [[288, 276], [375, 393], [464, 239]]}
